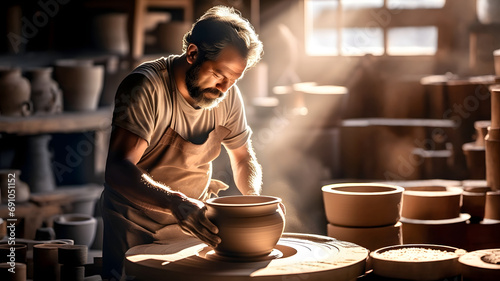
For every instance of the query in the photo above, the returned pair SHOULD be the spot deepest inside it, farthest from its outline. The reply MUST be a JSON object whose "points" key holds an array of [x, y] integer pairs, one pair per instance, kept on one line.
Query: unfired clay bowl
{"points": [[436, 263], [362, 204], [249, 226], [80, 228]]}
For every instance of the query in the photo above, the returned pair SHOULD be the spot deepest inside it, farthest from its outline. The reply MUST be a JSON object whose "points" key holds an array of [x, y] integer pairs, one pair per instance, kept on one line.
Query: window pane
{"points": [[361, 4], [322, 42], [360, 41], [321, 34], [407, 41], [415, 4]]}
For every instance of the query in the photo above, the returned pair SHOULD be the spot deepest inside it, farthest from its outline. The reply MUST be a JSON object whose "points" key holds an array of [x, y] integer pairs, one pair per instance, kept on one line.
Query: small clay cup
{"points": [[249, 226], [81, 228]]}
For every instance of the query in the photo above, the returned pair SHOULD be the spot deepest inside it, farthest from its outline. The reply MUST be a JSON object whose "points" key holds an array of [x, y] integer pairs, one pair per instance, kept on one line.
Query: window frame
{"points": [[386, 19]]}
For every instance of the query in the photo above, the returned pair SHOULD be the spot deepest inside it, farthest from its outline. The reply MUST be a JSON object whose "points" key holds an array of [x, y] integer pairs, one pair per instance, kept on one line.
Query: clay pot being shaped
{"points": [[249, 226], [15, 93], [46, 95], [362, 204], [81, 83], [80, 228]]}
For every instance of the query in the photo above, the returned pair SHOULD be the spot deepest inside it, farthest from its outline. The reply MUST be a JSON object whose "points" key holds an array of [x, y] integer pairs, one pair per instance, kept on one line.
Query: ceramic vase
{"points": [[110, 33], [362, 205], [80, 228], [81, 83], [15, 93], [249, 226], [46, 95]]}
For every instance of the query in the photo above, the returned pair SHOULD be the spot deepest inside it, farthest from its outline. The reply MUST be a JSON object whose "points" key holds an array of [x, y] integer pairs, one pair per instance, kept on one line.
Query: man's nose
{"points": [[224, 85]]}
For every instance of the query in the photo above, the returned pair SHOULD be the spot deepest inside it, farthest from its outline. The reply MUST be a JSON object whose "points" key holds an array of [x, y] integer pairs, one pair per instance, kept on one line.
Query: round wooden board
{"points": [[308, 256]]}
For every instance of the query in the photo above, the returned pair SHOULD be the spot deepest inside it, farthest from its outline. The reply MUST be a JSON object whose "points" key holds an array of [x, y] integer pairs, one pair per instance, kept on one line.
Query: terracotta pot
{"points": [[46, 95], [80, 228], [249, 226], [473, 203], [15, 93], [444, 265], [477, 266], [450, 232], [18, 275], [362, 204], [18, 255], [481, 131], [45, 262], [492, 205], [12, 187], [431, 202], [475, 159], [171, 34], [81, 83], [110, 33], [371, 238]]}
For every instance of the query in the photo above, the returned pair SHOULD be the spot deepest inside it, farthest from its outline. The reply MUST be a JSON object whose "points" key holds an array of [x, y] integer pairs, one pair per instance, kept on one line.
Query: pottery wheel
{"points": [[296, 256]]}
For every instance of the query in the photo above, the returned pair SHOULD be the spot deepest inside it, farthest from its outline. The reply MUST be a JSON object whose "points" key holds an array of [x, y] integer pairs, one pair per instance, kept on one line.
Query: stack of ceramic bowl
{"points": [[366, 214], [431, 215]]}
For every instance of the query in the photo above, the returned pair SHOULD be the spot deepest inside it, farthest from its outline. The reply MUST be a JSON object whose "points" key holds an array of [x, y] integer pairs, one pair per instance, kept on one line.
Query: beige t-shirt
{"points": [[147, 102]]}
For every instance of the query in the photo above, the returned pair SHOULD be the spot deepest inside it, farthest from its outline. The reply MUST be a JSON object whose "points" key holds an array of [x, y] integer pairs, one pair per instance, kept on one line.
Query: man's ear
{"points": [[191, 53]]}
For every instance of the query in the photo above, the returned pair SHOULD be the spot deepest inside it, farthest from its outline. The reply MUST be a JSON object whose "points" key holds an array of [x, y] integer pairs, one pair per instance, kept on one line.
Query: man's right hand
{"points": [[191, 216]]}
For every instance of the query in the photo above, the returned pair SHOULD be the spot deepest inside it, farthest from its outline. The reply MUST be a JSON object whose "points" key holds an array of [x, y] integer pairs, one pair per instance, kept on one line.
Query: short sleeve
{"points": [[134, 106], [236, 121]]}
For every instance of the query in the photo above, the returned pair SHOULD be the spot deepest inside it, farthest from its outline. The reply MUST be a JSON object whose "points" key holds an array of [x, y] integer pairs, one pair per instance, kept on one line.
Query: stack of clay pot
{"points": [[475, 151], [366, 214], [72, 259], [431, 215], [16, 259], [81, 82]]}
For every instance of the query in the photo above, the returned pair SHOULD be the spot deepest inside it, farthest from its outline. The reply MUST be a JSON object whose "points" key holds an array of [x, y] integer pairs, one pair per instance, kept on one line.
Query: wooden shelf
{"points": [[66, 122]]}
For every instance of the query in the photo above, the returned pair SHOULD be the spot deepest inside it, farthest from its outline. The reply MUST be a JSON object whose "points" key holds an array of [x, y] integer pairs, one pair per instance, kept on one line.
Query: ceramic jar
{"points": [[80, 228], [110, 32], [15, 93], [46, 95], [81, 82], [249, 226], [362, 204]]}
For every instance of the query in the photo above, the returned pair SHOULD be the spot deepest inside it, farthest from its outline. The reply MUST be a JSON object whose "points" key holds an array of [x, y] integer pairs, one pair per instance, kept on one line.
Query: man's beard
{"points": [[197, 93]]}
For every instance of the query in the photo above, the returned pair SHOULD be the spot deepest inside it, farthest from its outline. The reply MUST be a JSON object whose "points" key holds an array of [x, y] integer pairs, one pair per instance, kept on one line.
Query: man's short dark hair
{"points": [[220, 27]]}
